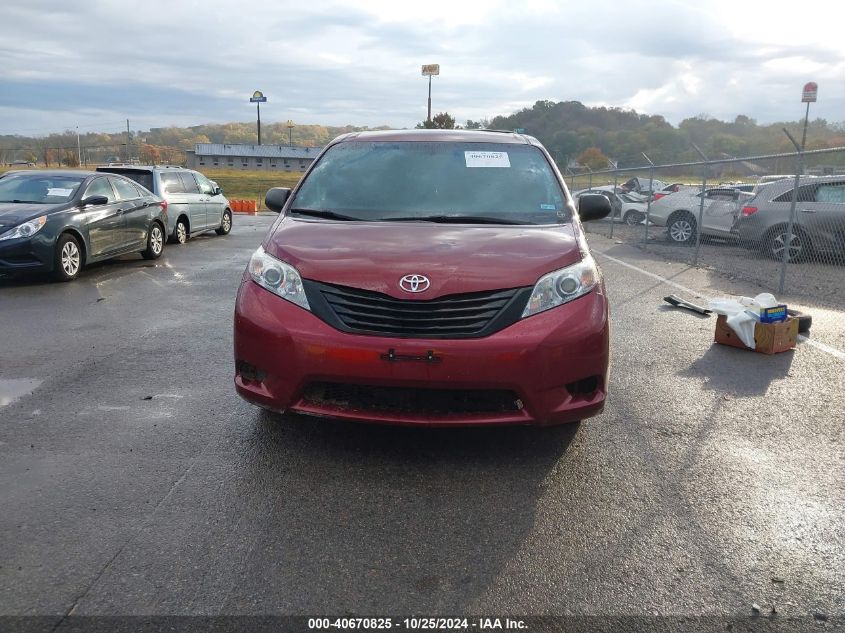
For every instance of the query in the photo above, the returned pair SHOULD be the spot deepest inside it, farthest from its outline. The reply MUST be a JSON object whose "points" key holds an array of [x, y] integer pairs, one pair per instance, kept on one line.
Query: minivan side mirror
{"points": [[217, 191], [93, 201], [593, 206], [276, 198]]}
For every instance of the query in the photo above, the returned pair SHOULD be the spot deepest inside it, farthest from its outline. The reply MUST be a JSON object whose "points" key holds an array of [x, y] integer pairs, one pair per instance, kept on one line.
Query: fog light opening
{"points": [[249, 372], [584, 387]]}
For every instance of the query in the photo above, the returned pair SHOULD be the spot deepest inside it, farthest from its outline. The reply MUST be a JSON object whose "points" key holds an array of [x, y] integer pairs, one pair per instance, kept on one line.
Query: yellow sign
{"points": [[430, 69], [257, 94]]}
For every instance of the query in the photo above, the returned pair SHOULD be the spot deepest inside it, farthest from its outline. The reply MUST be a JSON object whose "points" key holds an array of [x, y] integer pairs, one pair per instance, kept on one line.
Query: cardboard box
{"points": [[770, 338]]}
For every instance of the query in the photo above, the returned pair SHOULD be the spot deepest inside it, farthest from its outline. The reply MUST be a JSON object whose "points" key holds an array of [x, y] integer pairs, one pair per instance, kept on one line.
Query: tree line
{"points": [[576, 134], [572, 132]]}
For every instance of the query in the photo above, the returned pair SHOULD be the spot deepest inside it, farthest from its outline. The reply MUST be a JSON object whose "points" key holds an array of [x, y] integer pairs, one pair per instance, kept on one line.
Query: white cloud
{"points": [[343, 62]]}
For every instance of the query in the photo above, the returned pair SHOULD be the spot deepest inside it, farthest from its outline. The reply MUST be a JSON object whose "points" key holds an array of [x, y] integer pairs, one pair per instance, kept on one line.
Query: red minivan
{"points": [[426, 277]]}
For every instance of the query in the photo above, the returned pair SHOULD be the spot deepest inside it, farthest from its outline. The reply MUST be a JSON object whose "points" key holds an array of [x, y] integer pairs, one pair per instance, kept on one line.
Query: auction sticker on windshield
{"points": [[487, 159], [60, 192]]}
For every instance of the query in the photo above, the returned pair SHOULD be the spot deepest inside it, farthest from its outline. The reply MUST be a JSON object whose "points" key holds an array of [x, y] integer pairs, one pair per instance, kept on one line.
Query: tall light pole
{"points": [[290, 126], [429, 70], [258, 98]]}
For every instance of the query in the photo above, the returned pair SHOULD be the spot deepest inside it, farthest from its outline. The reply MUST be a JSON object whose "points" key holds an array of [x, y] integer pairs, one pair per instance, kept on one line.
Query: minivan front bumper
{"points": [[549, 368]]}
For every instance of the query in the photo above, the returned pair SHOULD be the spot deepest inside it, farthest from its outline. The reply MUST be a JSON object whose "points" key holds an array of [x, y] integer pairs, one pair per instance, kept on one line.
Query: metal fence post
{"points": [[651, 195], [799, 167], [616, 193], [700, 207], [590, 182]]}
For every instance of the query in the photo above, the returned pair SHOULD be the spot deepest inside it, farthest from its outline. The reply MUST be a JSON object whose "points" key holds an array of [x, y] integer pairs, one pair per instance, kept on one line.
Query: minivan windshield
{"points": [[433, 182]]}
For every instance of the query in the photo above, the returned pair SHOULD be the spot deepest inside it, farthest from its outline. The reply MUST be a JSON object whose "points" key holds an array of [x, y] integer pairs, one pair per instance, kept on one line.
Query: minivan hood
{"points": [[456, 259], [12, 214]]}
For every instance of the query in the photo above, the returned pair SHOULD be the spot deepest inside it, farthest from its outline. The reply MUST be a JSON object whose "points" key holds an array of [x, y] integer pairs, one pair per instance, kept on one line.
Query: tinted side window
{"points": [[834, 192], [170, 183], [143, 178], [125, 191], [188, 182], [100, 187], [807, 193]]}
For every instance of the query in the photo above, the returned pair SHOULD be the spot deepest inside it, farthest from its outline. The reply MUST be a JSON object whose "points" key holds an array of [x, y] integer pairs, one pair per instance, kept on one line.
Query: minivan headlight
{"points": [[278, 277], [562, 286], [27, 229]]}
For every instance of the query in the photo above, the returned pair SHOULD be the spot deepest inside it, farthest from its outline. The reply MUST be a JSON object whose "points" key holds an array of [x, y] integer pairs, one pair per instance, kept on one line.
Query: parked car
{"points": [[633, 209], [678, 212], [608, 192], [195, 203], [644, 186], [627, 207], [430, 277], [818, 226], [673, 188], [59, 221]]}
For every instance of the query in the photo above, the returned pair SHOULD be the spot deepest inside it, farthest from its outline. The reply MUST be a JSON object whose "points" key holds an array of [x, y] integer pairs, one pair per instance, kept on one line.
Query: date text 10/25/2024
{"points": [[417, 624]]}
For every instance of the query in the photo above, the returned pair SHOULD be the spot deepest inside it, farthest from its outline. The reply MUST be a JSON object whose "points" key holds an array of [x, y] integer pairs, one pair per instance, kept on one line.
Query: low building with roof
{"points": [[250, 157]]}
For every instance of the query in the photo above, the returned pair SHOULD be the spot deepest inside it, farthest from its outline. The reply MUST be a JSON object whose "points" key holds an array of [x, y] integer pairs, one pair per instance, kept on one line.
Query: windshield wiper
{"points": [[454, 219], [21, 201], [323, 213]]}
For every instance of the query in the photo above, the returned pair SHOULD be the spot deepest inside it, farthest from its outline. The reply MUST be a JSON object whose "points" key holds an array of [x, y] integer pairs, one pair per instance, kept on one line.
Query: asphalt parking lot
{"points": [[134, 481]]}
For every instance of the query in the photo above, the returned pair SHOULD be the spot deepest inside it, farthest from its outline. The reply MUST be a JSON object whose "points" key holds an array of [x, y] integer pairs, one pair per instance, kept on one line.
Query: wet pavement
{"points": [[134, 481]]}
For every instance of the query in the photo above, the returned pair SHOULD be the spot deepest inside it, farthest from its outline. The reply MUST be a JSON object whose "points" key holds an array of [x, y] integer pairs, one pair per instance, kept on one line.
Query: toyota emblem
{"points": [[414, 283]]}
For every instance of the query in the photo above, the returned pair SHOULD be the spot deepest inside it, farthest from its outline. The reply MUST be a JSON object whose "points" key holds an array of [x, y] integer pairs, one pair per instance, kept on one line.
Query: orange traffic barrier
{"points": [[249, 207]]}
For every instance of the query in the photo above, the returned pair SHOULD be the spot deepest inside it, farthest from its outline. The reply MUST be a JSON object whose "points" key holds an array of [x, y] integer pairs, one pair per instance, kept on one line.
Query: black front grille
{"points": [[408, 400], [453, 316]]}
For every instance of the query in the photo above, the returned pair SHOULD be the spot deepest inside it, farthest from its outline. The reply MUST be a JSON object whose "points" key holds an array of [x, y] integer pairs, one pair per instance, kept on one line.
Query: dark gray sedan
{"points": [[818, 225], [58, 221]]}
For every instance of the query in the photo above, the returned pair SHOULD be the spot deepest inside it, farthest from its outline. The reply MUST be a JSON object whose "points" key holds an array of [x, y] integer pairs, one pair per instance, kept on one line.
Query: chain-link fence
{"points": [[90, 155], [750, 218]]}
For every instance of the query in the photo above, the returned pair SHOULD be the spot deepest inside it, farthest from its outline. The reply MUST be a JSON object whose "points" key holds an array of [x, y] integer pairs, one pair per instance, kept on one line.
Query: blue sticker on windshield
{"points": [[548, 207]]}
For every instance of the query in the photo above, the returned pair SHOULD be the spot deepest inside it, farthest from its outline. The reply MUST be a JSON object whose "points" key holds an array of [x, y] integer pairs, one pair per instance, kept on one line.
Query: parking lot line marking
{"points": [[651, 274], [825, 348], [836, 353]]}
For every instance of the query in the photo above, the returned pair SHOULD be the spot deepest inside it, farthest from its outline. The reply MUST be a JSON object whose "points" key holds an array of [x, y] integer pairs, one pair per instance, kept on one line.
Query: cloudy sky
{"points": [[94, 63]]}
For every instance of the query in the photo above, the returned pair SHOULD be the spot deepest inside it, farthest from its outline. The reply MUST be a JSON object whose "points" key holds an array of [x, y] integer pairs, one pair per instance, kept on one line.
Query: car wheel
{"points": [[775, 243], [633, 218], [67, 263], [226, 224], [681, 228], [180, 232], [805, 321], [155, 242]]}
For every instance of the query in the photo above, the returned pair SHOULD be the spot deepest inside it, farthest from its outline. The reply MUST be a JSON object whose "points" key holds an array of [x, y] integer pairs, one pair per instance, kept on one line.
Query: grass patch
{"points": [[250, 185]]}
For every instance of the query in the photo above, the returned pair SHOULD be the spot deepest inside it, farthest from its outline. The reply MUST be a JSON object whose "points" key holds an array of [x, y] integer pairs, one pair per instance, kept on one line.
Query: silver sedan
{"points": [[678, 212]]}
